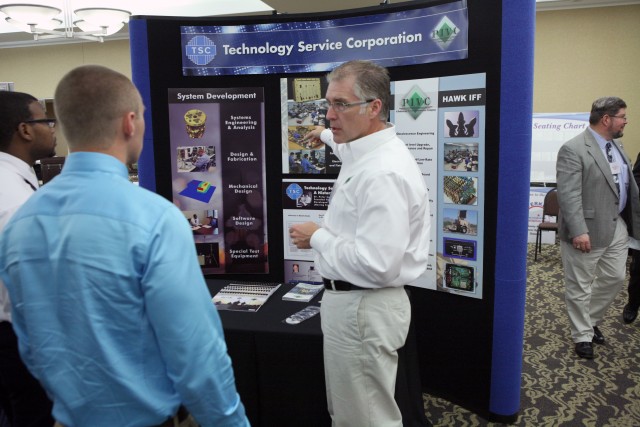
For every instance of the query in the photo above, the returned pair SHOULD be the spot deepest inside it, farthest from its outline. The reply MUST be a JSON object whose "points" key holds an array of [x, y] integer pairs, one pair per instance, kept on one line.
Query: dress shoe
{"points": [[584, 350], [598, 338], [629, 314]]}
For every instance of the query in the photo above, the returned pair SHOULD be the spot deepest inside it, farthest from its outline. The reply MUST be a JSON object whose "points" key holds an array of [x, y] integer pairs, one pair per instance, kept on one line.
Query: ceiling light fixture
{"points": [[47, 22]]}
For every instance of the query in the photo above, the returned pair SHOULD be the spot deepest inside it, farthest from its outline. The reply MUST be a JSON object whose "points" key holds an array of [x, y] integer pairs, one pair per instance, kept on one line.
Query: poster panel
{"points": [[218, 175], [415, 113], [303, 200], [418, 36], [461, 184], [442, 122]]}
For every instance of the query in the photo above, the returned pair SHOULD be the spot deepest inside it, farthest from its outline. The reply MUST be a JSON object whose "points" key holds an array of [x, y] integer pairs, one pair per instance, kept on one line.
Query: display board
{"points": [[218, 175], [442, 122], [466, 123], [391, 38]]}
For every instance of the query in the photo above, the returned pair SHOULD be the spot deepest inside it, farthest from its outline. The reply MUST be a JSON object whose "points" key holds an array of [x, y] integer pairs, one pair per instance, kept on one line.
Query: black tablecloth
{"points": [[279, 367]]}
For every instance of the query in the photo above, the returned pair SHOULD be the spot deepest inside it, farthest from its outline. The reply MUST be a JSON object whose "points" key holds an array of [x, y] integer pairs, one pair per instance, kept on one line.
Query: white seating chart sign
{"points": [[549, 131]]}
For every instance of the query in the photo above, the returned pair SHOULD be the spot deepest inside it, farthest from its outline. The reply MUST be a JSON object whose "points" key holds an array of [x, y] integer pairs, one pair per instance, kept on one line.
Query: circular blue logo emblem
{"points": [[201, 50], [294, 191]]}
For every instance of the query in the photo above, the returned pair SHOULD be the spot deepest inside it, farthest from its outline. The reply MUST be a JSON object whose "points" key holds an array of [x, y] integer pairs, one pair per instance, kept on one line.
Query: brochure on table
{"points": [[248, 297]]}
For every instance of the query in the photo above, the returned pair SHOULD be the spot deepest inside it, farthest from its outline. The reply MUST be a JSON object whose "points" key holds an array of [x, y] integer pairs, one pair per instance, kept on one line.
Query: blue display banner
{"points": [[418, 36]]}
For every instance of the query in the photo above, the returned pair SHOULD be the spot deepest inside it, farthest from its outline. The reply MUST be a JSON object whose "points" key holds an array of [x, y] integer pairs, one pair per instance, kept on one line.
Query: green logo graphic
{"points": [[414, 102], [444, 33]]}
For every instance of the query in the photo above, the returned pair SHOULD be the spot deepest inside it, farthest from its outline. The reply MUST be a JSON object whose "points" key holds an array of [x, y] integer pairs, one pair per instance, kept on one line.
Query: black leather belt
{"points": [[339, 285]]}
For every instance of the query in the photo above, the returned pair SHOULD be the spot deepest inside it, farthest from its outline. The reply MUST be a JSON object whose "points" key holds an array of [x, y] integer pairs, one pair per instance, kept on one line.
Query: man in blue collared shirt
{"points": [[109, 302]]}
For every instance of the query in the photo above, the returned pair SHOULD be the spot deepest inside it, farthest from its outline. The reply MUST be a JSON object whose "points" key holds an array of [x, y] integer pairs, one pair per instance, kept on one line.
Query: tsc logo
{"points": [[294, 191], [200, 50]]}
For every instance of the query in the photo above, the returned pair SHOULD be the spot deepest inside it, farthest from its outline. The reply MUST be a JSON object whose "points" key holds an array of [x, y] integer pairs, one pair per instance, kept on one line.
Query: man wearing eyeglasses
{"points": [[374, 239], [26, 135], [599, 208]]}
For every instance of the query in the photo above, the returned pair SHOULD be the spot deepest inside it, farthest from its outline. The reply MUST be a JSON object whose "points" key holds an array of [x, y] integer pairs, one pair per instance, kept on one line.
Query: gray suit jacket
{"points": [[587, 193]]}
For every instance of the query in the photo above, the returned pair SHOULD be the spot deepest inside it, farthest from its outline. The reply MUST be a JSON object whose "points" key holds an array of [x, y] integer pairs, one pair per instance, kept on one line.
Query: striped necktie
{"points": [[616, 179]]}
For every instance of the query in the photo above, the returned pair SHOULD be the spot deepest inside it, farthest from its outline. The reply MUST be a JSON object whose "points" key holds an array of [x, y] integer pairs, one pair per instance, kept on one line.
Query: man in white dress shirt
{"points": [[26, 135], [374, 239]]}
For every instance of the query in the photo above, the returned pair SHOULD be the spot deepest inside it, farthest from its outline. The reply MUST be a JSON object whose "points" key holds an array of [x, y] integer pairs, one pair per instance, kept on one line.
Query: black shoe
{"points": [[584, 350], [598, 338], [629, 314]]}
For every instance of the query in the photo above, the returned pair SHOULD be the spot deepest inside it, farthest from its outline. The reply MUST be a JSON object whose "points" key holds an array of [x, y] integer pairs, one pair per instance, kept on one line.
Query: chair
{"points": [[550, 207], [50, 167]]}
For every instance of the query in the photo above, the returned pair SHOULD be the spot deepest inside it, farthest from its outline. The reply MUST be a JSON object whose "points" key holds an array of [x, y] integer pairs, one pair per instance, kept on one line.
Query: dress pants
{"points": [[592, 281], [634, 281], [26, 402], [362, 332]]}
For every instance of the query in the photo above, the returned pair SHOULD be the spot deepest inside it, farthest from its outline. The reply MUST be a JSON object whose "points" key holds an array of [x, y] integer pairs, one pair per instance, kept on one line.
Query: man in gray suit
{"points": [[599, 207]]}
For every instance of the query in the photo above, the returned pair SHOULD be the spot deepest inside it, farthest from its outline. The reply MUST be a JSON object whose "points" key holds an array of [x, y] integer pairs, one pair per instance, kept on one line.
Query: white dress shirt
{"points": [[376, 231], [18, 181]]}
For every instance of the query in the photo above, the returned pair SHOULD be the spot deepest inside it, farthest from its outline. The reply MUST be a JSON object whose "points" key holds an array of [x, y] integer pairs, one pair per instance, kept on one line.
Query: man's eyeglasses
{"points": [[341, 107], [50, 122], [624, 118]]}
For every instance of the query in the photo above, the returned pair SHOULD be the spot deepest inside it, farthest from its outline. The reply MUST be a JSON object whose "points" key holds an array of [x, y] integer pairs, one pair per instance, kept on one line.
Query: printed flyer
{"points": [[303, 200], [415, 115], [218, 175]]}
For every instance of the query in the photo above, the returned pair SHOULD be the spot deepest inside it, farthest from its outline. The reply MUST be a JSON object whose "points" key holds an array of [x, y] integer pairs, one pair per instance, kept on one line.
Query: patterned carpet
{"points": [[559, 388]]}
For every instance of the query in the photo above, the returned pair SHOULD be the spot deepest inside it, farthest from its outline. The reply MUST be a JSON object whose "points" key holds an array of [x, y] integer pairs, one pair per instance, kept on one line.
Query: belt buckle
{"points": [[333, 285]]}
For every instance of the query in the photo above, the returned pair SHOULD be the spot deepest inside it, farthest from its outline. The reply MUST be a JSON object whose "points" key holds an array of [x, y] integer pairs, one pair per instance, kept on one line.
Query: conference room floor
{"points": [[558, 388]]}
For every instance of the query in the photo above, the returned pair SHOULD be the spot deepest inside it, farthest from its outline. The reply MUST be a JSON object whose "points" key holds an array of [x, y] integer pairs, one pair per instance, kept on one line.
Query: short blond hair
{"points": [[88, 101]]}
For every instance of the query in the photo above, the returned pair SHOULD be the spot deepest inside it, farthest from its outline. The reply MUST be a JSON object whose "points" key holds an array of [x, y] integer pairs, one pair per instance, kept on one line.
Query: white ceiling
{"points": [[11, 37], [154, 7]]}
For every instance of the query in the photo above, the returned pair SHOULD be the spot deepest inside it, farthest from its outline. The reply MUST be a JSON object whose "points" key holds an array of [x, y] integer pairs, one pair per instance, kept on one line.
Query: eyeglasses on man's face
{"points": [[623, 118], [341, 107], [50, 122]]}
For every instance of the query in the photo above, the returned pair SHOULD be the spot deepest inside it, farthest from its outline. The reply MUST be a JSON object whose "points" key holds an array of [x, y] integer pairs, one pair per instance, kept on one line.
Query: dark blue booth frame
{"points": [[470, 350]]}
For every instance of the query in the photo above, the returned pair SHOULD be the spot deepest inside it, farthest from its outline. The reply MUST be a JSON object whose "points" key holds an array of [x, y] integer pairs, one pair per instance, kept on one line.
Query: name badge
{"points": [[615, 168]]}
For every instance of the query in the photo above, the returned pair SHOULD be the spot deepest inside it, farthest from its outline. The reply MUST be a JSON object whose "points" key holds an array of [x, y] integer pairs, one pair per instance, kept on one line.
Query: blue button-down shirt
{"points": [[110, 305]]}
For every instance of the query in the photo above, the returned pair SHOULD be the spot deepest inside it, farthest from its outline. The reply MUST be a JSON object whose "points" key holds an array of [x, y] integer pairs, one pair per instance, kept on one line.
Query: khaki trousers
{"points": [[362, 332], [592, 281]]}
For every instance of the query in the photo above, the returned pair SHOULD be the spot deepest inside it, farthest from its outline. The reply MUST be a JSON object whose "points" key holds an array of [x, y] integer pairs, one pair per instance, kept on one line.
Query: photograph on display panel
{"points": [[461, 157], [463, 124], [306, 108]]}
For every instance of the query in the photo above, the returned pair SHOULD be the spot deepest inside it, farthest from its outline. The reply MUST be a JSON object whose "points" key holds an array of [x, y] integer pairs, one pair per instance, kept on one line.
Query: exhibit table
{"points": [[279, 367]]}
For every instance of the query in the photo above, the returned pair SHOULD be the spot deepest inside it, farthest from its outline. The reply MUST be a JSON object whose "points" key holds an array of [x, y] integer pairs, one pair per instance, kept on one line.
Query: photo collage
{"points": [[461, 221]]}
